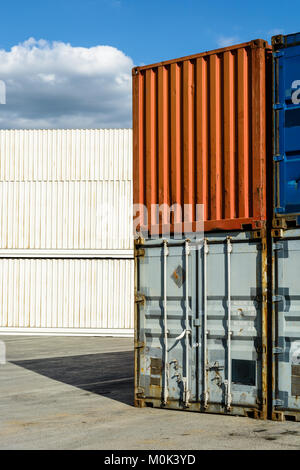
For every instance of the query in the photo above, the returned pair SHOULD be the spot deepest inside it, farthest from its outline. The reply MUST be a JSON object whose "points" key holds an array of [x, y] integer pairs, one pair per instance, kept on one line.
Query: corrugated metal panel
{"points": [[60, 293], [66, 189], [66, 215], [286, 325], [286, 106], [65, 205], [199, 134], [201, 324], [66, 155]]}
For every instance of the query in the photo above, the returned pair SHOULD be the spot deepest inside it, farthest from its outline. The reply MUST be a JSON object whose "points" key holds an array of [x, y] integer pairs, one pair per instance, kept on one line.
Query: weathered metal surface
{"points": [[209, 331], [286, 129], [39, 294], [286, 325], [199, 135]]}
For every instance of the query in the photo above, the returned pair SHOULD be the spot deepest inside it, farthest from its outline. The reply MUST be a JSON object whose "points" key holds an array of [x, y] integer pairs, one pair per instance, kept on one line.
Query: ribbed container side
{"points": [[66, 294], [286, 325], [66, 155], [66, 215], [199, 135], [66, 189]]}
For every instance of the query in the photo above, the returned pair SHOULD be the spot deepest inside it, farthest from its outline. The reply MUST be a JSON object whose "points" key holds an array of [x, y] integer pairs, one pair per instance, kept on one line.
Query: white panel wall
{"points": [[66, 155], [66, 249], [66, 293], [66, 214]]}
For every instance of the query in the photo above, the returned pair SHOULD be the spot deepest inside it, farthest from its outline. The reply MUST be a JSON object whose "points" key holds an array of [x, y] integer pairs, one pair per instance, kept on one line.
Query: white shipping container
{"points": [[66, 247], [66, 189], [73, 296]]}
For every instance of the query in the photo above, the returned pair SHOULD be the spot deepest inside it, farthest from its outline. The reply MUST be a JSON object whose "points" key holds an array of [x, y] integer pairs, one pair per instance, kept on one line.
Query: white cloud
{"points": [[56, 85], [225, 41]]}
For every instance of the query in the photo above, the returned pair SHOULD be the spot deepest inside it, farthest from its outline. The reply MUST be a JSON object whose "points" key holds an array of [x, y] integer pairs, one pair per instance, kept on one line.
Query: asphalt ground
{"points": [[77, 393]]}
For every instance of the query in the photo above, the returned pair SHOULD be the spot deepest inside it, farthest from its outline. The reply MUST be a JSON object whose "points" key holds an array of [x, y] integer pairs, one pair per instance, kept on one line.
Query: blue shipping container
{"points": [[286, 109]]}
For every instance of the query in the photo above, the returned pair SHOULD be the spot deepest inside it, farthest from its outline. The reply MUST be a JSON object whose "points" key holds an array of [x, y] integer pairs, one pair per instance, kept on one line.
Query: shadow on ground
{"points": [[109, 374]]}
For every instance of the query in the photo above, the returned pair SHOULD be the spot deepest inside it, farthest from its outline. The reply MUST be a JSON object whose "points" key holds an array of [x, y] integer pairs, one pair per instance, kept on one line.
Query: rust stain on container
{"points": [[199, 136]]}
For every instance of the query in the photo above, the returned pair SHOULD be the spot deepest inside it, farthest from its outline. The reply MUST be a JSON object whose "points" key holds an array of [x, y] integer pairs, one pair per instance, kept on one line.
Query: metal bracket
{"points": [[197, 322]]}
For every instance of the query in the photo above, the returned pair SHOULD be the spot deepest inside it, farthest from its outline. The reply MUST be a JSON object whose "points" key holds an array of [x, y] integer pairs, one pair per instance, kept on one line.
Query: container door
{"points": [[166, 308], [286, 352], [231, 311], [287, 130]]}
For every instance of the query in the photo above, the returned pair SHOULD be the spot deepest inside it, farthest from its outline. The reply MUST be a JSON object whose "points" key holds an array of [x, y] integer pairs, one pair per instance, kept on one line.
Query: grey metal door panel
{"points": [[225, 291], [151, 282], [245, 312], [286, 327]]}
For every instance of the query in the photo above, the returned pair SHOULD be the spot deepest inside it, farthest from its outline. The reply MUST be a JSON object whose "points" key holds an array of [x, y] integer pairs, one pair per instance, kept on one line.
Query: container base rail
{"points": [[201, 324]]}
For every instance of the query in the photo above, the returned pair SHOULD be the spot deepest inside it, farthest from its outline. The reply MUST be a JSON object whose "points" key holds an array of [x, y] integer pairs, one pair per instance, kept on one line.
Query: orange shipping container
{"points": [[200, 135]]}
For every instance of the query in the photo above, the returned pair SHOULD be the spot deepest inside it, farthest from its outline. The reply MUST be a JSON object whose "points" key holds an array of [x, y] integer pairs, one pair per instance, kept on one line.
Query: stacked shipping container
{"points": [[66, 250], [200, 137], [286, 233]]}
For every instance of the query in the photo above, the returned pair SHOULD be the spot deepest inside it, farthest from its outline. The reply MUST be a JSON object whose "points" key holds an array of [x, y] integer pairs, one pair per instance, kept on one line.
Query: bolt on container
{"points": [[286, 129], [200, 136]]}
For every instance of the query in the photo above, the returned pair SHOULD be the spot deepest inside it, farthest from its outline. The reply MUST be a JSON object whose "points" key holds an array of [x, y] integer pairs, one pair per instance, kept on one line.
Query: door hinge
{"points": [[140, 392], [278, 54], [278, 402], [277, 350], [139, 252], [139, 299], [277, 246], [215, 367]]}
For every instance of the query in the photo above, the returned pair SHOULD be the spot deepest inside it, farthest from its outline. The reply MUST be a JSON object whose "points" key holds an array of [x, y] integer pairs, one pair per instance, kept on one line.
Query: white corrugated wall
{"points": [[66, 249]]}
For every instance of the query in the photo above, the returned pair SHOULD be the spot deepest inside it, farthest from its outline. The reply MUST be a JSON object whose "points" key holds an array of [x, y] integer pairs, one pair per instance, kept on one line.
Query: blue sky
{"points": [[147, 30], [59, 74]]}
